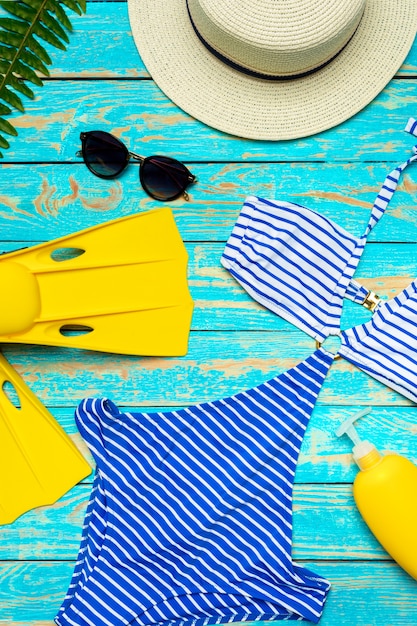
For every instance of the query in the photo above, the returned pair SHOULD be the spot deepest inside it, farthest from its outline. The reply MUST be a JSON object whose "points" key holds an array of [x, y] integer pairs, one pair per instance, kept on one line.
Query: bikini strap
{"points": [[355, 291], [390, 184]]}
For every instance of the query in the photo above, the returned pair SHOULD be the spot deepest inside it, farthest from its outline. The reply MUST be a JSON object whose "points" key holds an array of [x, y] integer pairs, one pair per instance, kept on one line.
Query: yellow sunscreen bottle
{"points": [[385, 492]]}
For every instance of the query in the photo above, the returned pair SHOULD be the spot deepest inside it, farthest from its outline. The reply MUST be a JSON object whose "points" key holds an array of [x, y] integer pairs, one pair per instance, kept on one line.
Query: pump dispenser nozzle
{"points": [[364, 453]]}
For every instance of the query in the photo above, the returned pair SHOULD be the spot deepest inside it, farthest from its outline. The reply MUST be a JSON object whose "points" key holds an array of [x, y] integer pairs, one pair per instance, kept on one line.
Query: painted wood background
{"points": [[47, 192]]}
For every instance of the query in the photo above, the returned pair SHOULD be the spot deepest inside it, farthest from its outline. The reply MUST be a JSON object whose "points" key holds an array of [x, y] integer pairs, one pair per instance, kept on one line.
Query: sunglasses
{"points": [[161, 177]]}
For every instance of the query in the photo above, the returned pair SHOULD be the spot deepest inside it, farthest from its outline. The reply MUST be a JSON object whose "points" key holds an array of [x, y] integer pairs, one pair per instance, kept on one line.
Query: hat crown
{"points": [[276, 38]]}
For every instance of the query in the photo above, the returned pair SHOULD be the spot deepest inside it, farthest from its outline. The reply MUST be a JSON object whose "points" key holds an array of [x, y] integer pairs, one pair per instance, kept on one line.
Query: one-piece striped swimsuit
{"points": [[190, 517]]}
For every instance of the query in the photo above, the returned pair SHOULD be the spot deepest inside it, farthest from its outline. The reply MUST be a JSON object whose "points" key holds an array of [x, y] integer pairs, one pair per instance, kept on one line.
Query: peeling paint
{"points": [[154, 120], [251, 155], [213, 273], [408, 184], [387, 286], [46, 204], [42, 201], [14, 207], [210, 305], [102, 112], [42, 121], [226, 186], [233, 369], [70, 198], [107, 203], [336, 197], [230, 168]]}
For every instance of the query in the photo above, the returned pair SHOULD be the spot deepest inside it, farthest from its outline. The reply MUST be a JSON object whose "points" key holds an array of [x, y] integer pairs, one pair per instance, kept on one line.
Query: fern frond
{"points": [[22, 53], [61, 16], [49, 36], [79, 6], [11, 98], [4, 143], [20, 85], [33, 61], [4, 110], [40, 52], [6, 127]]}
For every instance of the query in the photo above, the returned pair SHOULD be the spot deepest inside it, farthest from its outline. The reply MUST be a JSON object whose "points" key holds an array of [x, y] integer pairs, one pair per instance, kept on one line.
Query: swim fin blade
{"points": [[117, 287], [38, 461]]}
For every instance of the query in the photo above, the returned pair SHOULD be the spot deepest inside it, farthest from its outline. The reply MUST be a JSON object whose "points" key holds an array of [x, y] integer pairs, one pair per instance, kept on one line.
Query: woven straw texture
{"points": [[280, 37]]}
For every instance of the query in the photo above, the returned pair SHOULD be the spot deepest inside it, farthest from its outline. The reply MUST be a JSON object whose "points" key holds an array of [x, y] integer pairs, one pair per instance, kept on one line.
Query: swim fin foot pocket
{"points": [[117, 287], [39, 463]]}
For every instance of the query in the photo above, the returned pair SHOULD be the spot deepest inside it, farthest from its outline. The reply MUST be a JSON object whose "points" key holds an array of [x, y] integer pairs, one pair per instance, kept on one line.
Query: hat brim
{"points": [[230, 101]]}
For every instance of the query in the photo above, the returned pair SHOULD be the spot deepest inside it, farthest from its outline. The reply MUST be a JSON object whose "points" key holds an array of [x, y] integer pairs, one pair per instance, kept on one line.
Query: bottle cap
{"points": [[364, 453]]}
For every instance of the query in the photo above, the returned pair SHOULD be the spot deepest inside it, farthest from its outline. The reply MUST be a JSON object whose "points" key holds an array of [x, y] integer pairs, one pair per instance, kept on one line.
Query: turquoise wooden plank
{"points": [[137, 111], [44, 200], [51, 200], [376, 594], [102, 46], [217, 365], [326, 513]]}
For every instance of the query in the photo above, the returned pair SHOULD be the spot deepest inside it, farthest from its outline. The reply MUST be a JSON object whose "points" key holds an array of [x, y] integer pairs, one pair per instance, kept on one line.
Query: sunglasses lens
{"points": [[164, 178], [104, 154]]}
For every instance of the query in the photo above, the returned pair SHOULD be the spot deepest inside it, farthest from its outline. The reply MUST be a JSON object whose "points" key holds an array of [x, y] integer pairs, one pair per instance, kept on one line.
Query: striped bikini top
{"points": [[300, 265]]}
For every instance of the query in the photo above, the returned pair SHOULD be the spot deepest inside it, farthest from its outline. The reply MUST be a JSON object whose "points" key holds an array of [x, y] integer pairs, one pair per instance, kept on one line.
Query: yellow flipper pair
{"points": [[118, 287]]}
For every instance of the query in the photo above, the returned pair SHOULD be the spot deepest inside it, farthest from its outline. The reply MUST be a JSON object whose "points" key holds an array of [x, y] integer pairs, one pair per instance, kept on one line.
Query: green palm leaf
{"points": [[22, 53]]}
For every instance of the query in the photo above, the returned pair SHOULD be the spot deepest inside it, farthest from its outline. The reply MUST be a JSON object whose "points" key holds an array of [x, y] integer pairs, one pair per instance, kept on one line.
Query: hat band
{"points": [[255, 74]]}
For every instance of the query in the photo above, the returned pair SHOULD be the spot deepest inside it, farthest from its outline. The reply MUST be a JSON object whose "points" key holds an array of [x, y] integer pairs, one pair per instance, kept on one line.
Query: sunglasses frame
{"points": [[142, 161]]}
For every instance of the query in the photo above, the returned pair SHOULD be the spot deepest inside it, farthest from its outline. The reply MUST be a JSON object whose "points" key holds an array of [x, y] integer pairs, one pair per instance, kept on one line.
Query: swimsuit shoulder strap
{"points": [[355, 291], [390, 184]]}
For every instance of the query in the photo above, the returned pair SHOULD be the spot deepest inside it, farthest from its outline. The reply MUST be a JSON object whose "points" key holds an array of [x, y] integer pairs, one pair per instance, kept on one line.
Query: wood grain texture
{"points": [[218, 364], [46, 192], [48, 201]]}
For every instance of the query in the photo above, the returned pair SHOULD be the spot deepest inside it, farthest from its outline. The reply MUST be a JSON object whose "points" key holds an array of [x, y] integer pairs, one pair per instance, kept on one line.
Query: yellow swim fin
{"points": [[117, 287], [38, 461]]}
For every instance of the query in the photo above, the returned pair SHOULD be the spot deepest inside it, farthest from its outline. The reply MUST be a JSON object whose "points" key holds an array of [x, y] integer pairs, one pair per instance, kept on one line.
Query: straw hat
{"points": [[272, 69]]}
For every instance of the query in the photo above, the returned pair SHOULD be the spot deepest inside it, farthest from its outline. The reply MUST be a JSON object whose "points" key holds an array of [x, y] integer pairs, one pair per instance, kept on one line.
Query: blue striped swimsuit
{"points": [[190, 517], [300, 265]]}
